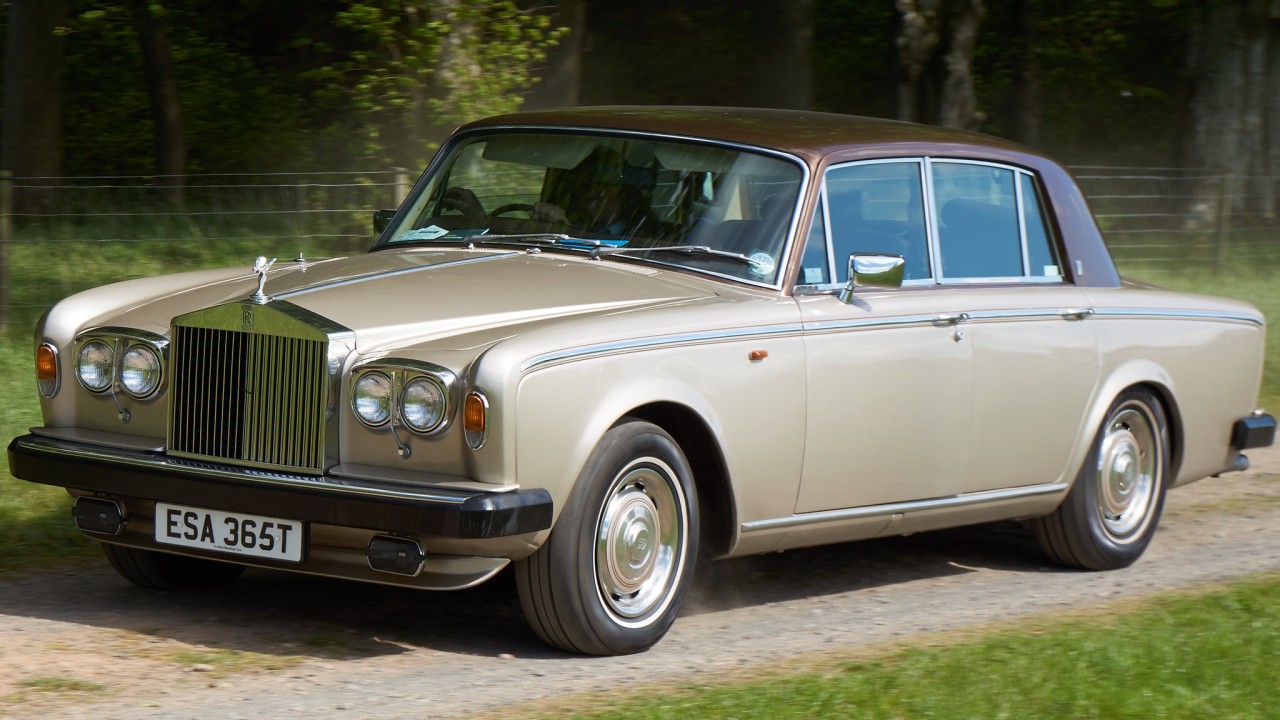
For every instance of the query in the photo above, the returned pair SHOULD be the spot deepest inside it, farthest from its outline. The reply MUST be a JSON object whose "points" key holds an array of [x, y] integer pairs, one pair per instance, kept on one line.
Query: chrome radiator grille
{"points": [[248, 398]]}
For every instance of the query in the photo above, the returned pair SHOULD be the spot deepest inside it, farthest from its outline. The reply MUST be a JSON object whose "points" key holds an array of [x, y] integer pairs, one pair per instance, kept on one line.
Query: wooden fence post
{"points": [[402, 185], [6, 240], [1224, 219]]}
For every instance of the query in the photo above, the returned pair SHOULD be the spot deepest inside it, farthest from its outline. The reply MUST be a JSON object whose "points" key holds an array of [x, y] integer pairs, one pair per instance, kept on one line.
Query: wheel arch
{"points": [[716, 507], [1133, 375], [1173, 416]]}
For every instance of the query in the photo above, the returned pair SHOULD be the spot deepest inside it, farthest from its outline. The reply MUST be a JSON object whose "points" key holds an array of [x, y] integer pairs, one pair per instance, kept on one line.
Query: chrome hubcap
{"points": [[640, 541], [1128, 472]]}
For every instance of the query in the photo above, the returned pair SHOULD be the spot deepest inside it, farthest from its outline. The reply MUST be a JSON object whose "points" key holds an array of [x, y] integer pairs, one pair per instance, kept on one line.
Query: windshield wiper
{"points": [[686, 249], [548, 238]]}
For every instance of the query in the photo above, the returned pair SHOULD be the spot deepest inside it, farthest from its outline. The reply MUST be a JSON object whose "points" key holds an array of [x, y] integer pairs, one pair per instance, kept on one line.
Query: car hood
{"points": [[452, 298]]}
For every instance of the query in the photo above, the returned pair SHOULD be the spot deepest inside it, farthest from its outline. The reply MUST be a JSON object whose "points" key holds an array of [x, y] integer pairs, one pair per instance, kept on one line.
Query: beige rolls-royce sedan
{"points": [[600, 344]]}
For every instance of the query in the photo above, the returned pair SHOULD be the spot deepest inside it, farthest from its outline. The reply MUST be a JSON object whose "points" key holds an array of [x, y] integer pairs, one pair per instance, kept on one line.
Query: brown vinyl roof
{"points": [[804, 133]]}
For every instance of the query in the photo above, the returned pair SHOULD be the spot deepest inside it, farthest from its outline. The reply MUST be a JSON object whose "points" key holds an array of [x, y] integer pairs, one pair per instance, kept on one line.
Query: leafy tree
{"points": [[409, 71]]}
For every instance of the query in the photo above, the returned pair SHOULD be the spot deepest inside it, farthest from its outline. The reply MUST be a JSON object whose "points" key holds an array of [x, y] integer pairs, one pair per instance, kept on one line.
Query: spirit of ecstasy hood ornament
{"points": [[260, 267]]}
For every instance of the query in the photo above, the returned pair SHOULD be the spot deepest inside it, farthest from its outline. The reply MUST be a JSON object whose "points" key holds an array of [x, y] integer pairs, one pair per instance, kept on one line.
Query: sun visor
{"points": [[563, 151]]}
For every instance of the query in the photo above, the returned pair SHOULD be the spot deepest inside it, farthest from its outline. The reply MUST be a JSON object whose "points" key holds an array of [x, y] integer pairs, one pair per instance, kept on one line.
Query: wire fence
{"points": [[62, 235], [1158, 220]]}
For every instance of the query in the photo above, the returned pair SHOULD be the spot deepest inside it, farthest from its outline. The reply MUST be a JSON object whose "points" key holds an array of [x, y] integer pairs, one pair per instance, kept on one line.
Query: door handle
{"points": [[950, 318], [1077, 313]]}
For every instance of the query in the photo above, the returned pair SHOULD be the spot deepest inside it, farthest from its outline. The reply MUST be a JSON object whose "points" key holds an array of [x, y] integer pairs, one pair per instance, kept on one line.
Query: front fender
{"points": [[754, 411]]}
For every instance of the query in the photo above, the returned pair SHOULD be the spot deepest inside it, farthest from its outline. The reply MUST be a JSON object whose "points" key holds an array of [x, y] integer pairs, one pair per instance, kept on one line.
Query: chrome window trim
{"points": [[921, 175], [931, 224], [788, 242], [890, 509], [1018, 173], [557, 357], [929, 198]]}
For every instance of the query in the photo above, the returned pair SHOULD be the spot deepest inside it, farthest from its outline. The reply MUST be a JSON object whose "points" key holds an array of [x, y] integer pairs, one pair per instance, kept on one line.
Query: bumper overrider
{"points": [[339, 510], [1257, 430]]}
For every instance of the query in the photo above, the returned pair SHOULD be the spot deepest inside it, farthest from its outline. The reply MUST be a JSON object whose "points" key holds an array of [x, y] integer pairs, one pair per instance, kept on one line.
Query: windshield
{"points": [[636, 194]]}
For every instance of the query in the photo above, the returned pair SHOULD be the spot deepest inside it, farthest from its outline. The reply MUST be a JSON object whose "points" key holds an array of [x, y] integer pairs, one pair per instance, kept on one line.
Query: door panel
{"points": [[889, 394], [1034, 373]]}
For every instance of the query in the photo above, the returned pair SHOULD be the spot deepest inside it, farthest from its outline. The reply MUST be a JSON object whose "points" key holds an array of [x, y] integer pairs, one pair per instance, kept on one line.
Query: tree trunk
{"points": [[1235, 69], [560, 80], [166, 110], [935, 42], [32, 116], [919, 33], [959, 104], [454, 66]]}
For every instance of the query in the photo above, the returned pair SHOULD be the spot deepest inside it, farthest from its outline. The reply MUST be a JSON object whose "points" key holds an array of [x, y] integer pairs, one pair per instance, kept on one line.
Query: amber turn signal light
{"points": [[47, 369], [475, 419]]}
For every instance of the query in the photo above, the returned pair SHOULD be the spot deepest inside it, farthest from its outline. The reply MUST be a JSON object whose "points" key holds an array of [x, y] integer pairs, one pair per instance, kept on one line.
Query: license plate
{"points": [[232, 533]]}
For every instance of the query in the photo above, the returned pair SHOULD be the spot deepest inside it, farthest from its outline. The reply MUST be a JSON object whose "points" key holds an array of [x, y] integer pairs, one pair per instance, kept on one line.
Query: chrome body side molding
{"points": [[906, 508]]}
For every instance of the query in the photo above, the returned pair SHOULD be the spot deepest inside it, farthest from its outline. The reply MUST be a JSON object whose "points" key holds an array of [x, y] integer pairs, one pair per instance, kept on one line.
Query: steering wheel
{"points": [[511, 207]]}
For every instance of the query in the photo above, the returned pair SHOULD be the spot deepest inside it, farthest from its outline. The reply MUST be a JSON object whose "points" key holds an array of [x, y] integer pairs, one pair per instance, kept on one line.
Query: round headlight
{"points": [[422, 404], [140, 371], [371, 398], [93, 365]]}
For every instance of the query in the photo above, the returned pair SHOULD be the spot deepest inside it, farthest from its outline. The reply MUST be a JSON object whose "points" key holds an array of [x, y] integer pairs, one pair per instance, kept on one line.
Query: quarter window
{"points": [[1040, 253]]}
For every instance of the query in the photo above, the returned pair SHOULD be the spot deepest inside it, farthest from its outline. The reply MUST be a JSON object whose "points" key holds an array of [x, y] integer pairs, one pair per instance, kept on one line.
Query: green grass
{"points": [[1191, 655], [61, 684], [35, 520]]}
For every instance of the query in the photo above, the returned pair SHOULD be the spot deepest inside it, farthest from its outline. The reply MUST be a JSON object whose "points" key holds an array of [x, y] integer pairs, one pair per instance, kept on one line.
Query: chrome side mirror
{"points": [[873, 270]]}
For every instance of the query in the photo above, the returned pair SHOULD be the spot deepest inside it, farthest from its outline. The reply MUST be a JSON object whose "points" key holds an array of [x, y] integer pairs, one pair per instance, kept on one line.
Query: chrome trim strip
{"points": [[390, 273], [885, 322], [609, 348], [1040, 314], [159, 341], [903, 507], [1179, 314], [157, 463]]}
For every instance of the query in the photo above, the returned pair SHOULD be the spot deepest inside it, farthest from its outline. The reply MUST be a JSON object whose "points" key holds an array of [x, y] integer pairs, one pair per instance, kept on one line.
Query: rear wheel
{"points": [[612, 575], [162, 571], [1111, 513]]}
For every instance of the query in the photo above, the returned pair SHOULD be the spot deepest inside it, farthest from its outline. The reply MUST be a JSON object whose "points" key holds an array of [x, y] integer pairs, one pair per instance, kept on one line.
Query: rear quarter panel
{"points": [[1205, 353]]}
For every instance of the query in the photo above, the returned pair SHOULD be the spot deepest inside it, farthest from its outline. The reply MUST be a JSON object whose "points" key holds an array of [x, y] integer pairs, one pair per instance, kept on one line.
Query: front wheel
{"points": [[612, 575], [1111, 513]]}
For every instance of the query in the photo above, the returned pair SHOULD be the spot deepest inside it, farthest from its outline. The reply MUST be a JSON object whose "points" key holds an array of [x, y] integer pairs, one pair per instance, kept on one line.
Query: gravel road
{"points": [[282, 646]]}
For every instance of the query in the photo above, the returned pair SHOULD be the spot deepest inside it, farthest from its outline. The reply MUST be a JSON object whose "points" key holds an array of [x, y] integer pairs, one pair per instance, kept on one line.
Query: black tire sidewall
{"points": [[1106, 552], [573, 541]]}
